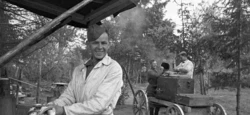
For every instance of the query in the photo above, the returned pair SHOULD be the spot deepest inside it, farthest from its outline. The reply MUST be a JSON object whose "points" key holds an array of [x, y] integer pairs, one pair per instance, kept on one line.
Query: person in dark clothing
{"points": [[166, 71], [153, 74]]}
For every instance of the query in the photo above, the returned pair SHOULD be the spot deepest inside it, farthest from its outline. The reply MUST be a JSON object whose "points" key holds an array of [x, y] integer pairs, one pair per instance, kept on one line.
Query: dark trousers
{"points": [[153, 108], [151, 91]]}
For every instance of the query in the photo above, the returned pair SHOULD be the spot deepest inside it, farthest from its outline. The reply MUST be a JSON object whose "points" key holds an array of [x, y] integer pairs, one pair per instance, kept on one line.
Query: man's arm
{"points": [[152, 73], [188, 67], [109, 90], [183, 70], [67, 97]]}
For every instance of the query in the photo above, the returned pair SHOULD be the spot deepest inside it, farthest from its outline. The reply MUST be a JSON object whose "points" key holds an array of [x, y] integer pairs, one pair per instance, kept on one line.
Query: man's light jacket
{"points": [[98, 94], [187, 65]]}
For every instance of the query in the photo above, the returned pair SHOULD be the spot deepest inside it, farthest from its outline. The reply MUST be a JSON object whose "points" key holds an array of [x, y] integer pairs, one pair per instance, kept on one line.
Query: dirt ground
{"points": [[226, 98], [124, 110], [127, 109]]}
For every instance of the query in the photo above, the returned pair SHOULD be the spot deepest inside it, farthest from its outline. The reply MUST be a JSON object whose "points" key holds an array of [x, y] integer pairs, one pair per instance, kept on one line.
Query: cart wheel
{"points": [[217, 109], [171, 110], [140, 103]]}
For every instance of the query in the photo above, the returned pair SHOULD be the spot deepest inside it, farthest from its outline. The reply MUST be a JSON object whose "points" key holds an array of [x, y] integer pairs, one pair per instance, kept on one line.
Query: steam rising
{"points": [[136, 16]]}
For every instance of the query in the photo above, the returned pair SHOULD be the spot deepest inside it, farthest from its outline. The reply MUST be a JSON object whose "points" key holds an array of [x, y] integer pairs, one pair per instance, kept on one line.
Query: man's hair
{"points": [[151, 61], [183, 53], [165, 65]]}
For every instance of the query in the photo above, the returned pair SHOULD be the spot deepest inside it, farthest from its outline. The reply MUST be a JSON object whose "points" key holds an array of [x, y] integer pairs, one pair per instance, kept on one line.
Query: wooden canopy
{"points": [[89, 14], [78, 13]]}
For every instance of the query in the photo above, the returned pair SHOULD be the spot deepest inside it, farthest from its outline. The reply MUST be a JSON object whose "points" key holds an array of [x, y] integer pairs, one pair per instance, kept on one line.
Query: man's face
{"points": [[154, 64], [182, 58], [99, 47]]}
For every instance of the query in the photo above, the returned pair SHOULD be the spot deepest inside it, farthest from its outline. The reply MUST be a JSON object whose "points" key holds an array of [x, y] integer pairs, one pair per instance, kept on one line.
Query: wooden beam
{"points": [[103, 9], [44, 6], [106, 13], [41, 33], [23, 82], [135, 1], [99, 1]]}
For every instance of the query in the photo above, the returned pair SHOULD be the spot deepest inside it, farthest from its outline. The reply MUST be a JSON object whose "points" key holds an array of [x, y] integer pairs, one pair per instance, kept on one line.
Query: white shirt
{"points": [[187, 65], [98, 94]]}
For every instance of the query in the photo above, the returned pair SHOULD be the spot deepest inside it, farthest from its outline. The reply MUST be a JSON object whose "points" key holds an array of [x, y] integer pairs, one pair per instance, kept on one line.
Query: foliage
{"points": [[139, 35], [211, 35], [58, 53], [222, 80], [229, 36], [8, 36]]}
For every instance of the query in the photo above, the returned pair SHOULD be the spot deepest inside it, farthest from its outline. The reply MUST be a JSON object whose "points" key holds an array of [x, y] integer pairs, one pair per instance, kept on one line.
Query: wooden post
{"points": [[238, 80], [7, 101], [4, 87], [41, 33], [38, 81], [128, 80], [239, 60], [18, 71]]}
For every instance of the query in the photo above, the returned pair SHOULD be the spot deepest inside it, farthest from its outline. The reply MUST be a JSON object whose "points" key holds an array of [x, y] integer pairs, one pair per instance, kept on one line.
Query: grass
{"points": [[228, 100]]}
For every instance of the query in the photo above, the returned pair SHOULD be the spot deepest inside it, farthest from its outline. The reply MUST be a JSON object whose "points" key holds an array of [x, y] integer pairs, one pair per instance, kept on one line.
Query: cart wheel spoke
{"points": [[217, 109], [140, 103], [143, 107], [143, 103], [135, 101], [141, 112], [136, 111], [174, 110]]}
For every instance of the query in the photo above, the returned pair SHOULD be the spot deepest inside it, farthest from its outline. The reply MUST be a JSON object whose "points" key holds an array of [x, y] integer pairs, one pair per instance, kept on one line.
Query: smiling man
{"points": [[96, 85]]}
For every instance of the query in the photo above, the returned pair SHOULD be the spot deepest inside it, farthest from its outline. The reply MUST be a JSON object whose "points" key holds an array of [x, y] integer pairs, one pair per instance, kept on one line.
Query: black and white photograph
{"points": [[124, 57]]}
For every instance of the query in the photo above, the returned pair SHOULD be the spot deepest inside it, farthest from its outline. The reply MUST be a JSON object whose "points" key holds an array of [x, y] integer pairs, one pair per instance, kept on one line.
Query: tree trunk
{"points": [[239, 61], [238, 83], [38, 81]]}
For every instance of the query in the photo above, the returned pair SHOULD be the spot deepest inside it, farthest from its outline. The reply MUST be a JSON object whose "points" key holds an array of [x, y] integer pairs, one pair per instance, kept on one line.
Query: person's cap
{"points": [[94, 32], [165, 65], [183, 53]]}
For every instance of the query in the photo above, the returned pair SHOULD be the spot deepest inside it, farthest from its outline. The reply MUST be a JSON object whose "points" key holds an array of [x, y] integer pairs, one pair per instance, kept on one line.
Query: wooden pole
{"points": [[128, 80], [16, 80], [17, 86], [183, 28], [7, 101], [40, 34], [39, 81], [239, 61]]}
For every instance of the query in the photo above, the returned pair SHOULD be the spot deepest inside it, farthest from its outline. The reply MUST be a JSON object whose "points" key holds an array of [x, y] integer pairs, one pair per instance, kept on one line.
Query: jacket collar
{"points": [[105, 61]]}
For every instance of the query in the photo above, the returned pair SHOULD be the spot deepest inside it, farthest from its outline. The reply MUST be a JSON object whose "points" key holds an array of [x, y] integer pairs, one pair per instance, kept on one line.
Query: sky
{"points": [[172, 9]]}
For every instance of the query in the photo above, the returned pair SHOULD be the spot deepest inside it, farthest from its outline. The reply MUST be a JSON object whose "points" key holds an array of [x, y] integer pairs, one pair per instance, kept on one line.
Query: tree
{"points": [[229, 38], [140, 34], [8, 37], [56, 52]]}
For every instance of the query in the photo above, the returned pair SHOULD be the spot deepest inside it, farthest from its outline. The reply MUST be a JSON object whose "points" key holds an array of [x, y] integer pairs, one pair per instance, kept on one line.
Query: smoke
{"points": [[135, 17]]}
